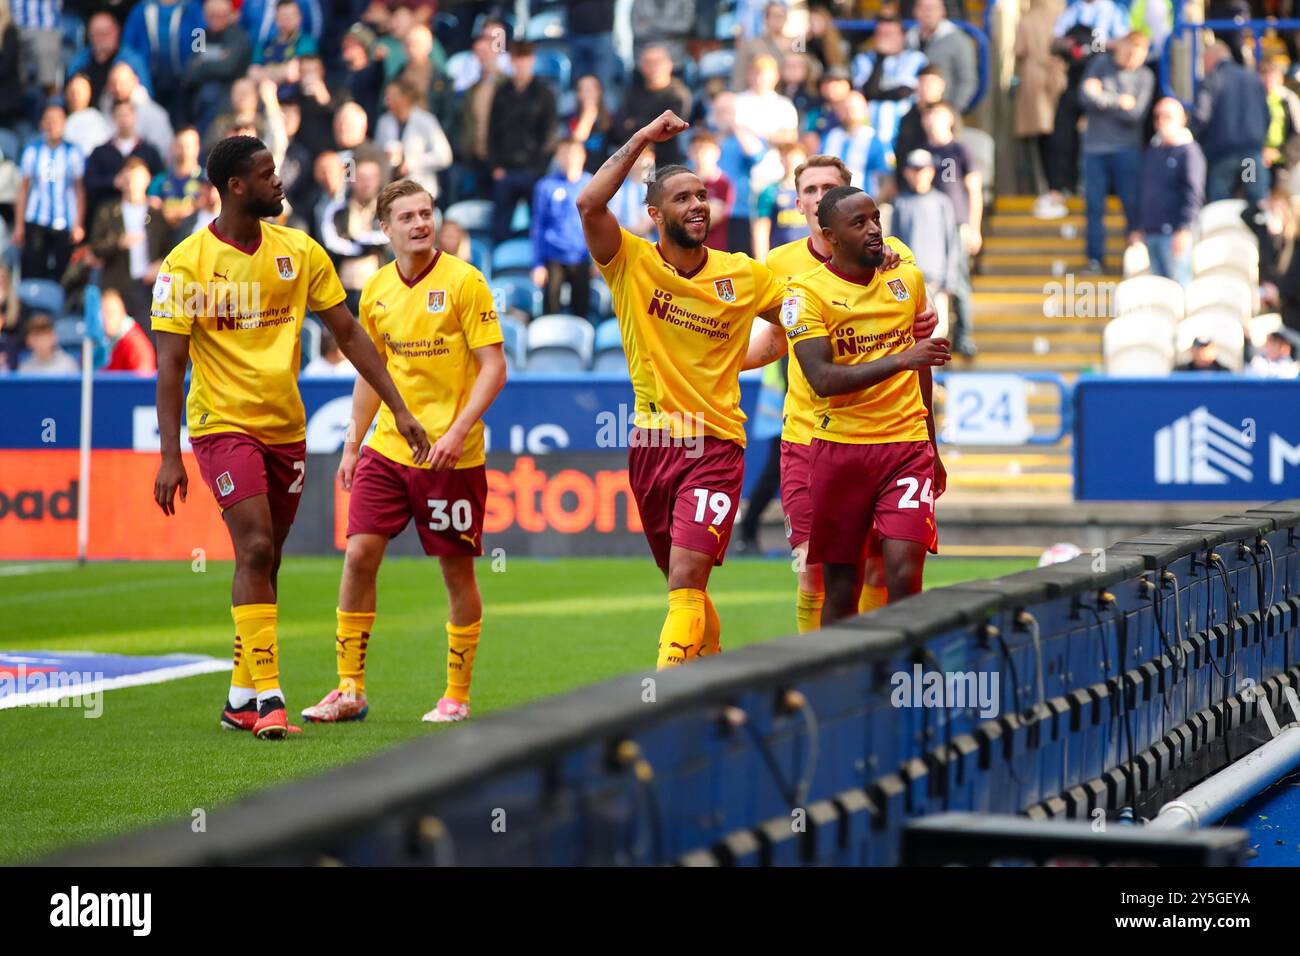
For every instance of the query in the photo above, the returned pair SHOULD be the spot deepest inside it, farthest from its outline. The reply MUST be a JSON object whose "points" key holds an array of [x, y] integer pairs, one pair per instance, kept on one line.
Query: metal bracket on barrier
{"points": [[1266, 710], [1293, 700]]}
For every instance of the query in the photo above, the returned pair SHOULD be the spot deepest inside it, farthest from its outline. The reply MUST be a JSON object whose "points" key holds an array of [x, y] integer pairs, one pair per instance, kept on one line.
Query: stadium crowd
{"points": [[107, 111]]}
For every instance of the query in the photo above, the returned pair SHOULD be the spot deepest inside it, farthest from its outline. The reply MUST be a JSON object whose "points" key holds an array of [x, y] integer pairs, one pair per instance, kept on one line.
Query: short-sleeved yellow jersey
{"points": [[243, 309], [426, 328], [788, 261], [686, 335], [864, 322]]}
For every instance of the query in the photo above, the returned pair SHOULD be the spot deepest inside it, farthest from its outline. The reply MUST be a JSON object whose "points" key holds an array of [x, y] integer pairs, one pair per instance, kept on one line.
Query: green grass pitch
{"points": [[156, 751]]}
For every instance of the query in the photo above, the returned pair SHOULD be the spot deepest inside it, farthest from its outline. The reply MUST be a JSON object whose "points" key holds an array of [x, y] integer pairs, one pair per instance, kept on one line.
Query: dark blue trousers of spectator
{"points": [[593, 53], [1244, 169], [507, 191], [1108, 174]]}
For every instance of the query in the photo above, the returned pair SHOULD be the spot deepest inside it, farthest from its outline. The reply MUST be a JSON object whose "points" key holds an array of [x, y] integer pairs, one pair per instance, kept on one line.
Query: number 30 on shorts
{"points": [[909, 499], [458, 516], [719, 503]]}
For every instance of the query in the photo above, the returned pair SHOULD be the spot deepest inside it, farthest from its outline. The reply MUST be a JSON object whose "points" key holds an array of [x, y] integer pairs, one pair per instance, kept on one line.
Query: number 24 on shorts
{"points": [[909, 500], [719, 503]]}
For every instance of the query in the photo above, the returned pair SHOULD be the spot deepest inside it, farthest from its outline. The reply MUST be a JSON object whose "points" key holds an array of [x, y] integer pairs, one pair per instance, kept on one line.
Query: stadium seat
{"points": [[1137, 261], [513, 257], [555, 66], [609, 356], [717, 63], [1227, 253], [10, 145], [516, 292], [70, 329], [522, 219], [1224, 215], [1220, 325], [1261, 326], [602, 301], [514, 341], [1230, 292], [1149, 293], [475, 215], [1135, 346], [480, 257], [41, 295], [546, 25], [311, 339], [559, 343]]}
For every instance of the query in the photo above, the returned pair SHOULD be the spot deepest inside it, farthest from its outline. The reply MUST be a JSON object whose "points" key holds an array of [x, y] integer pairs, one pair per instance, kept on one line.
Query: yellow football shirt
{"points": [[243, 309], [426, 328], [686, 335], [788, 261], [864, 322]]}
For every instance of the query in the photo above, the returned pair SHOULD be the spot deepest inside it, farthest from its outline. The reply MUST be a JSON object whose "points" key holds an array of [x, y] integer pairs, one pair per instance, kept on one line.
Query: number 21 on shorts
{"points": [[909, 497]]}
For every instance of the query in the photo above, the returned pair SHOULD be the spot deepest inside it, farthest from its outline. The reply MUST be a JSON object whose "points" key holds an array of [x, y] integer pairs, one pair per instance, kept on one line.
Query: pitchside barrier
{"points": [[1115, 680]]}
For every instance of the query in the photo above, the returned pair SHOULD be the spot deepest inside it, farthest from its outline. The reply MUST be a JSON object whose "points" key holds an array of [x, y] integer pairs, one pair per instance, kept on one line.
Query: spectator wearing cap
{"points": [[104, 163], [412, 137], [521, 137], [130, 238], [590, 29], [1277, 359], [49, 212], [761, 108], [948, 49], [559, 248], [272, 56], [856, 142], [363, 75], [102, 50], [887, 77], [161, 33], [1117, 89], [224, 57], [1170, 193], [658, 90], [86, 127], [44, 356], [772, 42], [930, 88], [665, 23], [961, 181], [1204, 357], [40, 37], [925, 220], [1231, 123], [705, 156], [174, 192], [129, 348], [151, 120]]}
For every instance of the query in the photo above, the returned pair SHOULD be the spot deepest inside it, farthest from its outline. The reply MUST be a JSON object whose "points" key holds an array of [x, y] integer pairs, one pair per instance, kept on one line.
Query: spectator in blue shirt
{"points": [[103, 49], [857, 143], [259, 18], [162, 33], [272, 56], [49, 212], [742, 150], [559, 248]]}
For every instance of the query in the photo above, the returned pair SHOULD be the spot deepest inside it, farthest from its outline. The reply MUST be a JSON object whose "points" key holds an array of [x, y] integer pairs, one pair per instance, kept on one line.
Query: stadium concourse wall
{"points": [[1122, 678]]}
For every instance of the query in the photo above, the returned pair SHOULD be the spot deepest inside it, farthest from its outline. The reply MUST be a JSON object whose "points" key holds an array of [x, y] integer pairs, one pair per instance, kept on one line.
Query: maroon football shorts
{"points": [[796, 495], [238, 466], [890, 484], [447, 506], [687, 496]]}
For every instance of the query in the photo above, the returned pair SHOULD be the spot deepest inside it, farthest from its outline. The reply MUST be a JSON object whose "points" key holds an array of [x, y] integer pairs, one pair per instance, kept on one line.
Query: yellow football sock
{"points": [[240, 677], [350, 640], [871, 598], [683, 631], [462, 645], [712, 629], [255, 627], [808, 610]]}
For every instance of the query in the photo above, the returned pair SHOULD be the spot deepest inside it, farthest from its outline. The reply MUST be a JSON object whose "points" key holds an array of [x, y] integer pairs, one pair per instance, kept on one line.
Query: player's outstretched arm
{"points": [[598, 223], [828, 378], [488, 383], [173, 353], [365, 405], [356, 345], [766, 345]]}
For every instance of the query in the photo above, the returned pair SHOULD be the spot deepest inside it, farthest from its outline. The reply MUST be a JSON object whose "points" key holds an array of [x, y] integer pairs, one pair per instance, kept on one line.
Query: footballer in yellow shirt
{"points": [[813, 179], [432, 319], [685, 312], [874, 461], [231, 299]]}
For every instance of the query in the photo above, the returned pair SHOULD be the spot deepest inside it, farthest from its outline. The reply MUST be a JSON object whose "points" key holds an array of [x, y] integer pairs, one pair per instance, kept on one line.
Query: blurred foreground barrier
{"points": [[1116, 680]]}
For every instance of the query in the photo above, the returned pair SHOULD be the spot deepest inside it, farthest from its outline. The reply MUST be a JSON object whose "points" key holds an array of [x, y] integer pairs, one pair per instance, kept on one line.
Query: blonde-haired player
{"points": [[432, 319]]}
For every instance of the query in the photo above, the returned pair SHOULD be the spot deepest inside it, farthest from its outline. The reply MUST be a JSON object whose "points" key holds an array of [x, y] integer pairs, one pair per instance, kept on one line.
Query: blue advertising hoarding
{"points": [[1186, 437]]}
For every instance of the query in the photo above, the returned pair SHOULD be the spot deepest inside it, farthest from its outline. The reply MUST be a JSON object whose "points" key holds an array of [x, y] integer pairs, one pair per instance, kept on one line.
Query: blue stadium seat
{"points": [[559, 343], [609, 355], [475, 215], [512, 256], [717, 63], [522, 218], [41, 295], [480, 257], [546, 25], [514, 338], [602, 300], [516, 292], [10, 145], [70, 330], [554, 65]]}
